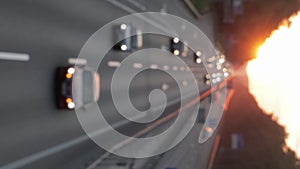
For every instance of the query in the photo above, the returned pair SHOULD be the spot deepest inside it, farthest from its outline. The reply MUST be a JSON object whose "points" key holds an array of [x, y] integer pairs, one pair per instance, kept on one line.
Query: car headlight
{"points": [[123, 26], [198, 60], [175, 40], [123, 47], [71, 105], [71, 70], [198, 53], [176, 52]]}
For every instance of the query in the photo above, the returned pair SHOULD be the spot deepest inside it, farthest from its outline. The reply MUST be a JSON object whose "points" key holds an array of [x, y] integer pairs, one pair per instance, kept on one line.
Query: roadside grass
{"points": [[203, 6]]}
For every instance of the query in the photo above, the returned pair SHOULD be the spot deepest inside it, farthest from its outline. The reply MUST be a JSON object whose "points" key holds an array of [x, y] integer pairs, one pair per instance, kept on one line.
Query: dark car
{"points": [[121, 31], [178, 47], [197, 57], [207, 79], [84, 82], [125, 42]]}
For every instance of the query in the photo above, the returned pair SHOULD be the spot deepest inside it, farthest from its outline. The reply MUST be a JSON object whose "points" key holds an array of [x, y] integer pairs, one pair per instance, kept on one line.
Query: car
{"points": [[197, 57], [81, 81], [121, 31], [137, 38], [177, 47], [131, 42], [207, 79]]}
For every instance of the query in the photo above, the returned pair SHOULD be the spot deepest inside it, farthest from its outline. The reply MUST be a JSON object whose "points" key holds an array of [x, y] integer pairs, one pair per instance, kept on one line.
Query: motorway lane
{"points": [[188, 150], [178, 8], [190, 153], [51, 32]]}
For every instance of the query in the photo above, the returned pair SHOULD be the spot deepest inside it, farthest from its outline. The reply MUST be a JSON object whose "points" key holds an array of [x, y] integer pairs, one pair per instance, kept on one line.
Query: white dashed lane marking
{"points": [[113, 63], [14, 56]]}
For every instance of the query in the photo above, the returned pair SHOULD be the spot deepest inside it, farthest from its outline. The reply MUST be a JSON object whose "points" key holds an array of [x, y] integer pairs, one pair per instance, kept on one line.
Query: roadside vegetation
{"points": [[203, 6]]}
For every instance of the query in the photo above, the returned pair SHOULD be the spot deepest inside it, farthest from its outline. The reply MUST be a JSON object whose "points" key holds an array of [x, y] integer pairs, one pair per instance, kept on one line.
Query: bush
{"points": [[203, 6]]}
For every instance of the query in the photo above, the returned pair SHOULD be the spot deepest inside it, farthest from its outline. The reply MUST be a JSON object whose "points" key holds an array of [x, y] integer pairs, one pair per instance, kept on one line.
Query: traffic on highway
{"points": [[62, 103]]}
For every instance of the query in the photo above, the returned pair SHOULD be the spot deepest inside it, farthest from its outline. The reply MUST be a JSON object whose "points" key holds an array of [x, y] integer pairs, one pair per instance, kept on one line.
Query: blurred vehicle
{"points": [[126, 42], [207, 79], [121, 31], [86, 86], [178, 47], [217, 77], [227, 69], [197, 57], [137, 38]]}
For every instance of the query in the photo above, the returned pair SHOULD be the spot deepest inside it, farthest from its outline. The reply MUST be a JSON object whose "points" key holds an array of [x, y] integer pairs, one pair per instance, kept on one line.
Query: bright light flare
{"points": [[71, 70], [71, 105], [209, 129], [69, 76], [123, 47], [175, 40], [176, 52], [69, 100], [198, 53], [123, 26], [222, 60], [274, 78]]}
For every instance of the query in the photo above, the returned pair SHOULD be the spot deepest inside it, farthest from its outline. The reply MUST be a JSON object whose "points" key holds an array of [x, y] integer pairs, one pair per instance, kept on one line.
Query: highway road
{"points": [[33, 132]]}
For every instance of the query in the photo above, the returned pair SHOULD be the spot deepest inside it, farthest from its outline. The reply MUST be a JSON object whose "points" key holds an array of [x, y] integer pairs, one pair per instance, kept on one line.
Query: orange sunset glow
{"points": [[274, 78]]}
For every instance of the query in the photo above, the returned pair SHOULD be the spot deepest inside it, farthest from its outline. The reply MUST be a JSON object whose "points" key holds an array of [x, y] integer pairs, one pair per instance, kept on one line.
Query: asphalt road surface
{"points": [[33, 132]]}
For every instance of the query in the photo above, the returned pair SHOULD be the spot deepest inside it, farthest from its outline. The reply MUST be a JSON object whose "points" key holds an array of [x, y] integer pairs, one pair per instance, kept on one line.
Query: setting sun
{"points": [[274, 78]]}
